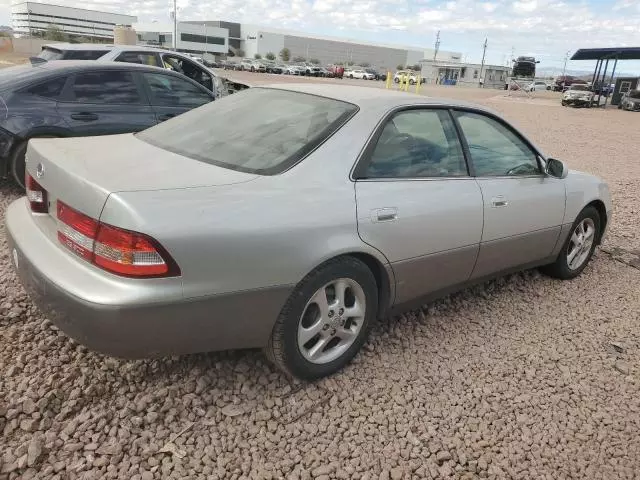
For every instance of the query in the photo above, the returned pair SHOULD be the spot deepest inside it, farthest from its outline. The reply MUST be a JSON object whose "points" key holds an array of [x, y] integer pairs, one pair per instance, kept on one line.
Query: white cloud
{"points": [[525, 7]]}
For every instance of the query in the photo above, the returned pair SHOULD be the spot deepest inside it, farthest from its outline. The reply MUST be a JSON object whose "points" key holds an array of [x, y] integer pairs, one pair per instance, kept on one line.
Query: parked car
{"points": [[195, 235], [377, 75], [80, 98], [274, 67], [295, 69], [536, 87], [564, 82], [413, 77], [178, 62], [359, 73], [578, 95], [336, 71], [630, 101]]}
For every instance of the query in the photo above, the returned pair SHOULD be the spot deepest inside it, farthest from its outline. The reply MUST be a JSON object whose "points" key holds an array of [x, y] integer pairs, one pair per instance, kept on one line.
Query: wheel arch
{"points": [[602, 211], [382, 273]]}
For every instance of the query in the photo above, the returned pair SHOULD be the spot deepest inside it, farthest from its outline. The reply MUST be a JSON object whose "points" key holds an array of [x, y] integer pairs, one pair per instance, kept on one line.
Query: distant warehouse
{"points": [[249, 40], [75, 23]]}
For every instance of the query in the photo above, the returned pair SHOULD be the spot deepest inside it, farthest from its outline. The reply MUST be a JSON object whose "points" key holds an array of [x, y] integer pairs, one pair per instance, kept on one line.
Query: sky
{"points": [[545, 29]]}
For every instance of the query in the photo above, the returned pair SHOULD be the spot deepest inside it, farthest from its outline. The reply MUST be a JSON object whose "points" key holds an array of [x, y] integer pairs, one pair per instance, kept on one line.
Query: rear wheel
{"points": [[326, 320], [578, 248]]}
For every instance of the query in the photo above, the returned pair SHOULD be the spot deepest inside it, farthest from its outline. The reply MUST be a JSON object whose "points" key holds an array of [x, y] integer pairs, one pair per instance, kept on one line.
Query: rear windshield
{"points": [[579, 87], [259, 130], [50, 54], [54, 54]]}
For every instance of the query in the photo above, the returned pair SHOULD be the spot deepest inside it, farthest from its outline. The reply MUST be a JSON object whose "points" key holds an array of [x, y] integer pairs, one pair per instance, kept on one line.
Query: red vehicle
{"points": [[564, 82], [337, 71]]}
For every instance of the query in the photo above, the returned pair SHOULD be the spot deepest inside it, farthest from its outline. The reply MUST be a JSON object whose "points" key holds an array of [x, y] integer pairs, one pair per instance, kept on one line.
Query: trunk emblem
{"points": [[40, 170]]}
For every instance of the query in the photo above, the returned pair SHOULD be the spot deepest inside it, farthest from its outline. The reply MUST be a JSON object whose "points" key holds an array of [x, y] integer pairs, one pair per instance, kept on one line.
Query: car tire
{"points": [[285, 348], [588, 220], [564, 104], [17, 162], [412, 82]]}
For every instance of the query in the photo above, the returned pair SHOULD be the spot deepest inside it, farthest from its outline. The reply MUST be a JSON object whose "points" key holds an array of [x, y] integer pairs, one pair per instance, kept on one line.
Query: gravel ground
{"points": [[524, 377]]}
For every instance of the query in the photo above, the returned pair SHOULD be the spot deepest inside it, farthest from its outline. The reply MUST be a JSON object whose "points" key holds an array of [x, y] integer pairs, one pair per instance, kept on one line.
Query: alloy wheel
{"points": [[580, 244], [331, 321]]}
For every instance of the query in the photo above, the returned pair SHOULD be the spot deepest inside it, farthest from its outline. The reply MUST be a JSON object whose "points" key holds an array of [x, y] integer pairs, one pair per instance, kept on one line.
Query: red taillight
{"points": [[36, 195], [113, 249]]}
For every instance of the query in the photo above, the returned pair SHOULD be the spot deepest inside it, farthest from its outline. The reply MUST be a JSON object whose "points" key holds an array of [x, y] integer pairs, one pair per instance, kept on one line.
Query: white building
{"points": [[75, 22], [249, 40], [259, 40], [193, 37]]}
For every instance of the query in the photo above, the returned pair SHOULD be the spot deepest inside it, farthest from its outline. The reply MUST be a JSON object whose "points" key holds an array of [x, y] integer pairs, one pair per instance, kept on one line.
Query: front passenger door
{"points": [[171, 95], [523, 207]]}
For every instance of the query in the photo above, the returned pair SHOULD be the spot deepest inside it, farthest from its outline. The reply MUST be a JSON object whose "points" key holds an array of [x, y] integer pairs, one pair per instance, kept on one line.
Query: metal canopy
{"points": [[622, 53]]}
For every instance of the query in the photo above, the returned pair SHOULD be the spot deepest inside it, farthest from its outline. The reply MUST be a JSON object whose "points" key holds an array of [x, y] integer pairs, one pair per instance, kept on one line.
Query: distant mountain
{"points": [[554, 72]]}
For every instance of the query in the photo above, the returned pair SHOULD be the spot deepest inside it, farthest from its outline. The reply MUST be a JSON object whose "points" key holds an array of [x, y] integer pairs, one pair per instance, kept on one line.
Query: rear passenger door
{"points": [[171, 95], [417, 203], [105, 102]]}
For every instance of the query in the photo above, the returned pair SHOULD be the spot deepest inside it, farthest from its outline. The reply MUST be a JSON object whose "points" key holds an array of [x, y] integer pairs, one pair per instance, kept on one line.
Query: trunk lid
{"points": [[83, 172]]}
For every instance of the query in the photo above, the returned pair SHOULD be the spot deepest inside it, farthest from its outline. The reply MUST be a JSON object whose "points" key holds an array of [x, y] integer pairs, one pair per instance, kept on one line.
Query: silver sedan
{"points": [[290, 219]]}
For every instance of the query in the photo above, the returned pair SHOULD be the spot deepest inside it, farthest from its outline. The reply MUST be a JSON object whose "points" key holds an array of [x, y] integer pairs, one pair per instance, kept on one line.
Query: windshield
{"points": [[634, 94], [259, 130], [50, 54], [578, 87]]}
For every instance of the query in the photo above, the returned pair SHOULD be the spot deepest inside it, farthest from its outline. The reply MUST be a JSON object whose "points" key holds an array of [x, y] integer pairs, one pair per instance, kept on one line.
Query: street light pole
{"points": [[205, 39]]}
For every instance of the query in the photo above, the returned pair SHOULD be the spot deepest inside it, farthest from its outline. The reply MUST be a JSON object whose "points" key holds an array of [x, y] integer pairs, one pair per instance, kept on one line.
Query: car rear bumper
{"points": [[128, 329]]}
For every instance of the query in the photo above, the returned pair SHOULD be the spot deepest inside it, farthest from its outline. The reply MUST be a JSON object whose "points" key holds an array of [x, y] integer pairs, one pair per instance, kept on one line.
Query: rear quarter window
{"points": [[83, 54], [51, 88]]}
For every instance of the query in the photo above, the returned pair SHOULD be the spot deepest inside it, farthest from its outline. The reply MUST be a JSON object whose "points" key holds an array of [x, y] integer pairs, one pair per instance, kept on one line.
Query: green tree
{"points": [[55, 33], [365, 64], [315, 61], [257, 56], [340, 64], [285, 54], [299, 59], [400, 67], [348, 64], [240, 52], [416, 67], [270, 56]]}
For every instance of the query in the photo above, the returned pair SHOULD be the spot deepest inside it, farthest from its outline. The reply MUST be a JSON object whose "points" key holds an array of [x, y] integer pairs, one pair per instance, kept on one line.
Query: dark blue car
{"points": [[85, 98]]}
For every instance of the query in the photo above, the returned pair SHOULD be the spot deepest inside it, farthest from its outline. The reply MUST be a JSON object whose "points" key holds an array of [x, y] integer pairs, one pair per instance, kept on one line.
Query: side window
{"points": [[418, 143], [189, 69], [143, 58], [495, 149], [167, 90], [106, 87], [84, 54], [49, 89]]}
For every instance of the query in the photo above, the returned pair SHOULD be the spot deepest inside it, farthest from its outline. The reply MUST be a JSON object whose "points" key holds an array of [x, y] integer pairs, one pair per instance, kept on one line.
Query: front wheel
{"points": [[578, 248], [326, 320]]}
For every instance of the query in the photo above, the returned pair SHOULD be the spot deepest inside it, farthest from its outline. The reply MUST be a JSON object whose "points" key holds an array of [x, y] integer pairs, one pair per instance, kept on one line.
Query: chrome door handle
{"points": [[499, 201], [384, 214]]}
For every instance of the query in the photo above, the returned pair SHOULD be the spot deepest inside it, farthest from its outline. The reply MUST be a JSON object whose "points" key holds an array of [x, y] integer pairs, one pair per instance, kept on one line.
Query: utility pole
{"points": [[205, 40], [484, 51], [564, 69], [175, 25], [435, 51]]}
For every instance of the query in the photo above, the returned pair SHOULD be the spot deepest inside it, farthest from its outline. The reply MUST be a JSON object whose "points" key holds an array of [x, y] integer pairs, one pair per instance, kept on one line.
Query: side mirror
{"points": [[555, 168]]}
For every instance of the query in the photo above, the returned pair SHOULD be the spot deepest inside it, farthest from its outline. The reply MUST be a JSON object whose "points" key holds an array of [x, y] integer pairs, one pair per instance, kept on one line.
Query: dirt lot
{"points": [[525, 377]]}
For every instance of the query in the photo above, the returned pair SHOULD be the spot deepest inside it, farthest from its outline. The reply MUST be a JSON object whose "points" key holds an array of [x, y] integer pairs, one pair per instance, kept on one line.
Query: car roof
{"points": [[371, 96], [108, 48], [92, 65]]}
